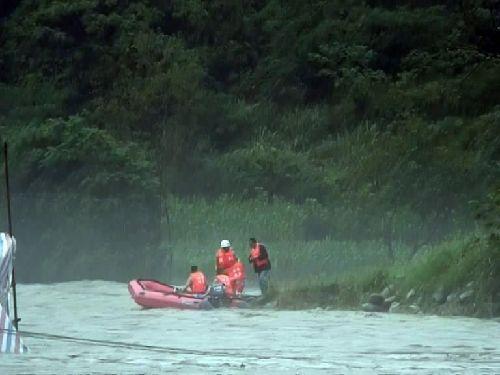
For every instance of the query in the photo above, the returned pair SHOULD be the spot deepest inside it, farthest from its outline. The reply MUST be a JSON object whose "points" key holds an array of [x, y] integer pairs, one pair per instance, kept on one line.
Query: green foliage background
{"points": [[328, 120]]}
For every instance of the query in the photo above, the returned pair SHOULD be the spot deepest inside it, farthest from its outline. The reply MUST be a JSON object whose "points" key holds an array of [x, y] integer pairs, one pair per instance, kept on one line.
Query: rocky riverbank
{"points": [[457, 278], [463, 301], [467, 301]]}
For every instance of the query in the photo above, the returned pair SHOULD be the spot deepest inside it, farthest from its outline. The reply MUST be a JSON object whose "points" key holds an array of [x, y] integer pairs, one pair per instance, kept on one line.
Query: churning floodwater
{"points": [[130, 340]]}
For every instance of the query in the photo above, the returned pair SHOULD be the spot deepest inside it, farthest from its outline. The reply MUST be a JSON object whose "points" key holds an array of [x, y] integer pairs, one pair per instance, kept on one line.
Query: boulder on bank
{"points": [[465, 296], [439, 296], [376, 299], [376, 303], [390, 299], [414, 309], [387, 291], [395, 308], [453, 297], [398, 308], [410, 294]]}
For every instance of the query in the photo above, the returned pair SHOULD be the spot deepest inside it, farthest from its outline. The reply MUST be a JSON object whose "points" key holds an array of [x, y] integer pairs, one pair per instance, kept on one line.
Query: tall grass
{"points": [[197, 226], [207, 222], [451, 265]]}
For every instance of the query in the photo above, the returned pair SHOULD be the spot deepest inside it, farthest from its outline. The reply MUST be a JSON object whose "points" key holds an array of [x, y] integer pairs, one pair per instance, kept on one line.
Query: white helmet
{"points": [[225, 243]]}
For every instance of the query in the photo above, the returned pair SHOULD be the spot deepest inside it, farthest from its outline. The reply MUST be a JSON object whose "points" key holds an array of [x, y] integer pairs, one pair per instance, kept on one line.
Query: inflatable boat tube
{"points": [[154, 294]]}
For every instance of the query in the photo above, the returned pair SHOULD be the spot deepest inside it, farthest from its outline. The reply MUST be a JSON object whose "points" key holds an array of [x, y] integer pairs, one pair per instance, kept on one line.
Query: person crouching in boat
{"points": [[237, 276], [225, 258], [196, 282], [225, 281], [259, 257]]}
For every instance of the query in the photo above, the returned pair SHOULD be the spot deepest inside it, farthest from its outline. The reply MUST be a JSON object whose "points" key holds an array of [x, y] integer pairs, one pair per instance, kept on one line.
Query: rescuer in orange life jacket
{"points": [[237, 276], [196, 282], [261, 264], [226, 281], [225, 258]]}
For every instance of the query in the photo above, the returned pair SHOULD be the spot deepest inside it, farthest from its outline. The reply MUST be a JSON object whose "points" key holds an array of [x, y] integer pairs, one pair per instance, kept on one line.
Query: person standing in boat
{"points": [[237, 276], [259, 257], [196, 282], [225, 258]]}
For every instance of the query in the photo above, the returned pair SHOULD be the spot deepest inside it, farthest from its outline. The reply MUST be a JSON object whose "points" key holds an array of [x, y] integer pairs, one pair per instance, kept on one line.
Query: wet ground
{"points": [[115, 336]]}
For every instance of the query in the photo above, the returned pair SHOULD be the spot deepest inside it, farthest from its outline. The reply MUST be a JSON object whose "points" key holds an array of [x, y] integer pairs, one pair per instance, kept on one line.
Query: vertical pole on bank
{"points": [[7, 193]]}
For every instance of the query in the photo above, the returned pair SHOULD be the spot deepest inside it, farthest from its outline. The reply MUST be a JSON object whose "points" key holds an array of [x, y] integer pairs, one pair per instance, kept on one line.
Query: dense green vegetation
{"points": [[143, 132]]}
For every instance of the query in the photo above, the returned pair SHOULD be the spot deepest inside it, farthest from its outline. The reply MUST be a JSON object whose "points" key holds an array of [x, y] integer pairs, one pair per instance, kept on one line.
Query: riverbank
{"points": [[459, 277]]}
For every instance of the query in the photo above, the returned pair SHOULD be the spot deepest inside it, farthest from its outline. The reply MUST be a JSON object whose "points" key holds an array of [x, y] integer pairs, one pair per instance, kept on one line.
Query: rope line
{"points": [[151, 348]]}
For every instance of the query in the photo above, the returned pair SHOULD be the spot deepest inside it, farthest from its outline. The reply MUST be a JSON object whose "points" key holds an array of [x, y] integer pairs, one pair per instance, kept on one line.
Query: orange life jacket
{"points": [[254, 257], [237, 271], [198, 282], [226, 281], [225, 259], [237, 276]]}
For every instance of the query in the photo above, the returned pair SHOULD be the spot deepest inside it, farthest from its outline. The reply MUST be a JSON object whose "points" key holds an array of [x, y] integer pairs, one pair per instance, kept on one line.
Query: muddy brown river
{"points": [[97, 329]]}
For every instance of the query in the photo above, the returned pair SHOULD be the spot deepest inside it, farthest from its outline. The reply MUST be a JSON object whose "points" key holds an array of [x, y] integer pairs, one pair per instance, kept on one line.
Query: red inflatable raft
{"points": [[154, 294]]}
